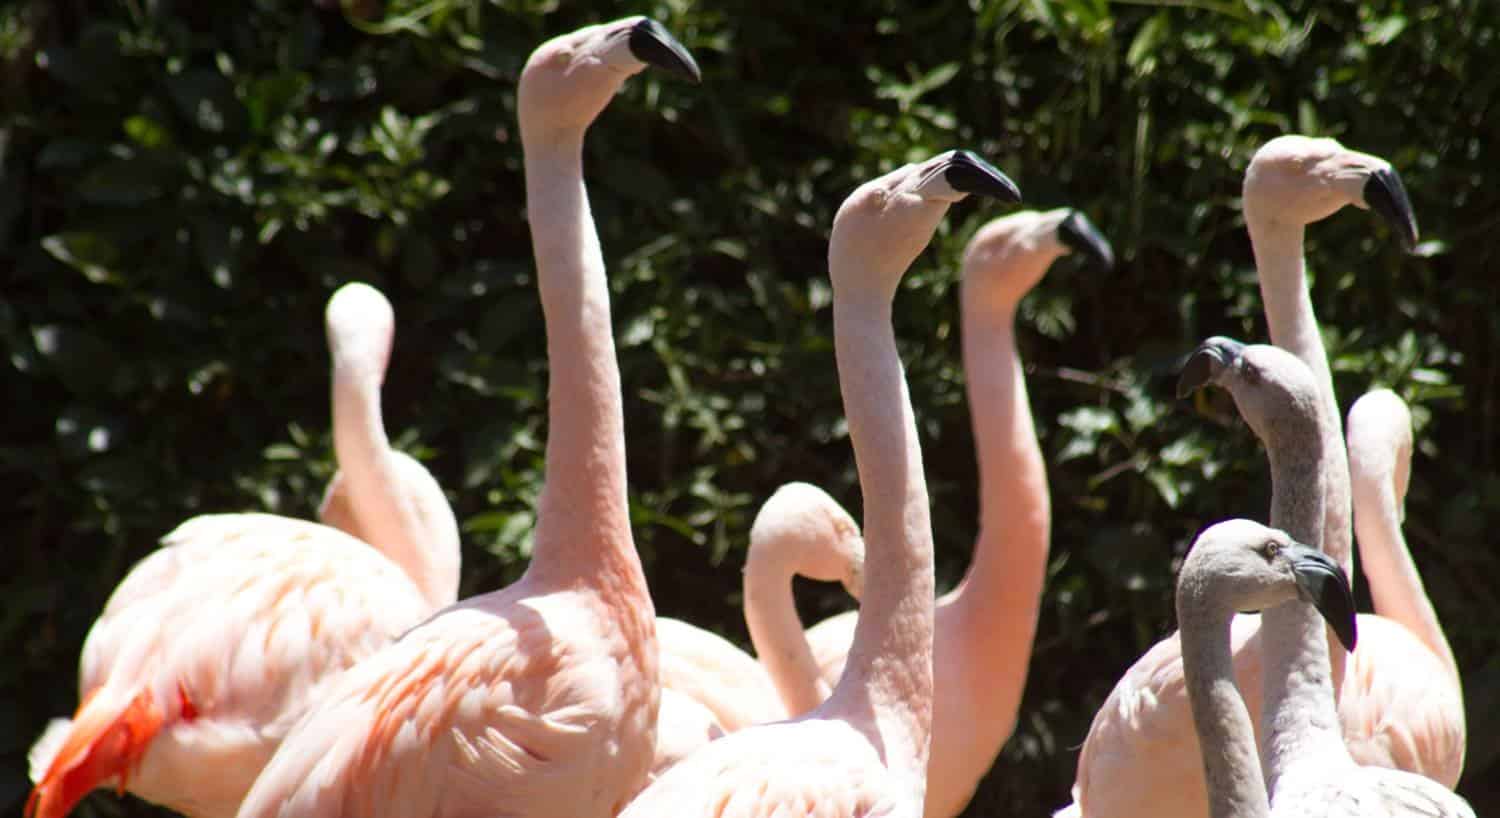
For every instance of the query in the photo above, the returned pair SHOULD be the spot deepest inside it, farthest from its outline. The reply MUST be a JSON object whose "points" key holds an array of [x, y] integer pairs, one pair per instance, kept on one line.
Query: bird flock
{"points": [[265, 667]]}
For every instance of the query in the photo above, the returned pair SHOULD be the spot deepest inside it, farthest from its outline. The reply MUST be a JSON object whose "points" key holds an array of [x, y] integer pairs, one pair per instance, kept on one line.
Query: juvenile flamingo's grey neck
{"points": [[583, 534], [997, 601], [1299, 719], [1231, 770], [888, 675]]}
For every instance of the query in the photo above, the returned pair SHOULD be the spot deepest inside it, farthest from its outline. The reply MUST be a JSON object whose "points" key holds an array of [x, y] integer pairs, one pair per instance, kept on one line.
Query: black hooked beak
{"points": [[1210, 358], [653, 45], [967, 173], [1322, 582], [1385, 195], [1078, 233]]}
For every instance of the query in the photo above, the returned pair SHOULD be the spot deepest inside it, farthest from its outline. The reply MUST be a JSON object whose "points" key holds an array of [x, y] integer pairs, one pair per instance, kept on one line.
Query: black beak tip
{"points": [[654, 45], [1079, 234], [1195, 374], [1386, 195], [1327, 587], [967, 173], [1204, 361], [1347, 630]]}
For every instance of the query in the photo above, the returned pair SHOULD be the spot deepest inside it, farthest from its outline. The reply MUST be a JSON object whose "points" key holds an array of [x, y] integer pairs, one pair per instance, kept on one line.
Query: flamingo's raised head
{"points": [[1038, 236], [569, 79], [361, 326], [882, 226], [1242, 565], [1298, 180], [1380, 446]]}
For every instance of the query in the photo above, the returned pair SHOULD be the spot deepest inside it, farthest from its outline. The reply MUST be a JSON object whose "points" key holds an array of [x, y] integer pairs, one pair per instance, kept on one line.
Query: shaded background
{"points": [[182, 187]]}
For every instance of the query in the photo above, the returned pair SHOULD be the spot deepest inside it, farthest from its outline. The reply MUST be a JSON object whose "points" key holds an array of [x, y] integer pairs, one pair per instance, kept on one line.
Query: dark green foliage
{"points": [[183, 185]]}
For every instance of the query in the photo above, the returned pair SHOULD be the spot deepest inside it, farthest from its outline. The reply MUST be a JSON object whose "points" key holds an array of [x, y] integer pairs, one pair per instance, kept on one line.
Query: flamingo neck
{"points": [[1226, 739], [1282, 272], [997, 601], [888, 675], [1299, 719], [1395, 584], [776, 631], [379, 497], [583, 535]]}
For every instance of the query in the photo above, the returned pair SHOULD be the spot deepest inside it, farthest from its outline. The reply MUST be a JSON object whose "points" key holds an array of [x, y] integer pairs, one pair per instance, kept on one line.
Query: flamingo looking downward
{"points": [[985, 625], [212, 646], [540, 698], [799, 530], [864, 750]]}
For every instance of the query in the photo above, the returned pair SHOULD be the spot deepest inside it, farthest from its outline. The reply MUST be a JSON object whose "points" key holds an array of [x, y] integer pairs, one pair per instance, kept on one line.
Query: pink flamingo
{"points": [[1380, 445], [1139, 755], [1308, 769], [540, 698], [212, 646], [381, 495], [986, 624], [864, 750], [799, 530], [709, 686]]}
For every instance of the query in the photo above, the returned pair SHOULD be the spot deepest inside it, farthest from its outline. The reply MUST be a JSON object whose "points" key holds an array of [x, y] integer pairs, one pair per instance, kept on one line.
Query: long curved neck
{"points": [[999, 597], [1293, 326], [1395, 584], [1299, 720], [776, 630], [889, 670], [378, 496], [583, 532], [1226, 739]]}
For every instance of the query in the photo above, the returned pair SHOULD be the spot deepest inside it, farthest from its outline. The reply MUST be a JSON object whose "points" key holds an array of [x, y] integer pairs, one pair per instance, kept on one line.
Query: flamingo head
{"points": [[361, 326], [569, 79], [1298, 180], [802, 530], [1274, 391], [1009, 255], [1241, 565], [883, 226]]}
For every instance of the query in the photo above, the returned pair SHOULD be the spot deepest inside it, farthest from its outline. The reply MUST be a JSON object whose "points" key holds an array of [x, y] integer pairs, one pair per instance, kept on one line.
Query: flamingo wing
{"points": [[209, 650], [710, 670], [482, 710]]}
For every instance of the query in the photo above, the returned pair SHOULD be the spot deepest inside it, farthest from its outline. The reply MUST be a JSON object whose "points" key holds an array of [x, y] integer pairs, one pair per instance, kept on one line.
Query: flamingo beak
{"points": [[654, 45], [967, 173], [1386, 195], [1209, 359], [1322, 582], [1079, 234]]}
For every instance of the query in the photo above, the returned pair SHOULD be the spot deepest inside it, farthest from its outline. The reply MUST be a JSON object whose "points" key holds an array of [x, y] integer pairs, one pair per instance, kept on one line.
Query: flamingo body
{"points": [[209, 650], [480, 707], [211, 647], [709, 669], [542, 698]]}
